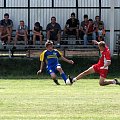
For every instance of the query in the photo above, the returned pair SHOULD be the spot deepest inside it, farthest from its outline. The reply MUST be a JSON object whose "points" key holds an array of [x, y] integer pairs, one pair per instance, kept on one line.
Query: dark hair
{"points": [[6, 14], [90, 20], [97, 16], [53, 17], [21, 20], [73, 14], [37, 24], [85, 16]]}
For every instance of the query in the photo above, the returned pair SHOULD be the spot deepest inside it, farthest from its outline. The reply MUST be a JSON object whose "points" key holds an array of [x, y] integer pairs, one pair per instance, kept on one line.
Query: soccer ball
{"points": [[68, 82]]}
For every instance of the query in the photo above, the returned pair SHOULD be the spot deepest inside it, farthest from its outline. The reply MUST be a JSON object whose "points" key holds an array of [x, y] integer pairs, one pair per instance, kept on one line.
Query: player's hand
{"points": [[95, 42], [102, 67], [38, 72], [71, 61]]}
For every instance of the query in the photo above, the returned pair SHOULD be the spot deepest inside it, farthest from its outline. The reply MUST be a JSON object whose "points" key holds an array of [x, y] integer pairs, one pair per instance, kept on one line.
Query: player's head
{"points": [[101, 45], [49, 45]]}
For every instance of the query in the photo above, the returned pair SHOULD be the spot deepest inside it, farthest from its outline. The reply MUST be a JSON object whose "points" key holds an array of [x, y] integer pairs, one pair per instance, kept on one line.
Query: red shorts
{"points": [[102, 72]]}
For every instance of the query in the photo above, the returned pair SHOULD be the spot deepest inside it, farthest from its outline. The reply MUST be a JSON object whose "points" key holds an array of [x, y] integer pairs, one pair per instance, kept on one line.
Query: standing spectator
{"points": [[72, 26], [6, 28], [54, 31], [37, 33], [21, 33], [84, 24], [89, 33]]}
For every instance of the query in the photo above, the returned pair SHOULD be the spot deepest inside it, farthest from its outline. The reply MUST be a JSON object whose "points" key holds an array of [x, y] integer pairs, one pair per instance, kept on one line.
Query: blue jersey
{"points": [[50, 57]]}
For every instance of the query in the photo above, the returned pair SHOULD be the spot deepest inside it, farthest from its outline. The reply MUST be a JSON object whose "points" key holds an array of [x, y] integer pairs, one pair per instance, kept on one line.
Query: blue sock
{"points": [[64, 77]]}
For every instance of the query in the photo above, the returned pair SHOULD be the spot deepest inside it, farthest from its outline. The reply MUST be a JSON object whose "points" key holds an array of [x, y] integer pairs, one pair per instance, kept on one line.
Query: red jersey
{"points": [[105, 56]]}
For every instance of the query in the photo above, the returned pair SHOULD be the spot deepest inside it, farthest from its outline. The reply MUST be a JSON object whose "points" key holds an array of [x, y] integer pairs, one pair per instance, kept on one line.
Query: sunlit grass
{"points": [[42, 100]]}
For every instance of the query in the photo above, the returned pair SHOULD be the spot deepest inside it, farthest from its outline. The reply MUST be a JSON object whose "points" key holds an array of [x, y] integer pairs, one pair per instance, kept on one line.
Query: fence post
{"points": [[112, 27]]}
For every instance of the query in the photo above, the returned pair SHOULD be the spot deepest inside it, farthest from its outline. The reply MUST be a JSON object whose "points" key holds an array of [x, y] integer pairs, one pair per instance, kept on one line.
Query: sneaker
{"points": [[117, 82], [71, 79], [56, 82]]}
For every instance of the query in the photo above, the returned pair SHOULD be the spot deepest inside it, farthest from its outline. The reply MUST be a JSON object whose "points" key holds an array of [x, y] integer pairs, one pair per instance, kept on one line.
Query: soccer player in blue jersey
{"points": [[50, 56]]}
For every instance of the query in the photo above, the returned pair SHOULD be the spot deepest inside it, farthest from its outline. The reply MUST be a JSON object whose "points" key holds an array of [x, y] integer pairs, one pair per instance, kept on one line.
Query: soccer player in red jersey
{"points": [[101, 67]]}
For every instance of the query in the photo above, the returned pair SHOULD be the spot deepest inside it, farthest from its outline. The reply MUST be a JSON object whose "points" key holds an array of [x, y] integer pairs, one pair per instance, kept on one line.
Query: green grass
{"points": [[42, 100]]}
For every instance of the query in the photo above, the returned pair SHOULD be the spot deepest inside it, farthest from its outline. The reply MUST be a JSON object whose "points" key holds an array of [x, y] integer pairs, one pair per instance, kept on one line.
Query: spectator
{"points": [[54, 31], [37, 33], [6, 26], [89, 33], [72, 26], [101, 32], [96, 22], [99, 28], [84, 24], [21, 33]]}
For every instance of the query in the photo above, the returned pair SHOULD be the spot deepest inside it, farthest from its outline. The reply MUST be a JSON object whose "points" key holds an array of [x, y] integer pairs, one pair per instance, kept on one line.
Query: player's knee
{"points": [[101, 83], [53, 76], [59, 69]]}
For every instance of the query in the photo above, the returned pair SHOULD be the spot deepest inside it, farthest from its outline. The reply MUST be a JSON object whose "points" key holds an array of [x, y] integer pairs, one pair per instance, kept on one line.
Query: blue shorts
{"points": [[52, 69]]}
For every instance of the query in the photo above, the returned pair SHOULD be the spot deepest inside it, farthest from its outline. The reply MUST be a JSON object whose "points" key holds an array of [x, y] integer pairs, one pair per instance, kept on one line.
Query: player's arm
{"points": [[66, 60], [42, 58], [41, 67], [106, 64], [108, 60], [95, 42]]}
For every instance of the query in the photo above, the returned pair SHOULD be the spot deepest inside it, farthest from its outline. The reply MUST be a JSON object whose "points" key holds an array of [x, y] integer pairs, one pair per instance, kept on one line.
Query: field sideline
{"points": [[42, 100]]}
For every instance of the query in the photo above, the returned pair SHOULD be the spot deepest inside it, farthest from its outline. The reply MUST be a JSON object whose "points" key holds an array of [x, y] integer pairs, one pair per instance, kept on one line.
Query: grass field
{"points": [[42, 100]]}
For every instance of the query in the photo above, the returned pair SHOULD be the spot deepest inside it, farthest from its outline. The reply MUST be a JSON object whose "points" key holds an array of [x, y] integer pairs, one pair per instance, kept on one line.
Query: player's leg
{"points": [[63, 75], [104, 82], [85, 73], [53, 76], [51, 71]]}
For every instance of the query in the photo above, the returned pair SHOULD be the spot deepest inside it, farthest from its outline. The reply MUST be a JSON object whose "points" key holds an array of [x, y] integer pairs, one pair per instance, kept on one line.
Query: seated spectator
{"points": [[99, 28], [89, 33], [37, 33], [54, 31], [72, 26], [6, 26], [84, 24], [101, 32], [21, 33]]}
